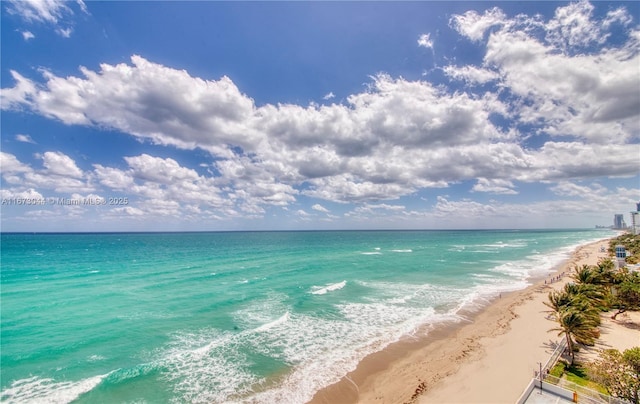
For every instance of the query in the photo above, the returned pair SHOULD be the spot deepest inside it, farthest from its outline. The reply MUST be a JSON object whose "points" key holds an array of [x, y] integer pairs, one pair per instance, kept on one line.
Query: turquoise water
{"points": [[238, 317]]}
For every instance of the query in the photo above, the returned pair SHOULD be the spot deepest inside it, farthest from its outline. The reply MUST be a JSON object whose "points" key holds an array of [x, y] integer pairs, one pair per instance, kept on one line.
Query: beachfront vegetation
{"points": [[631, 243], [619, 373], [627, 294], [596, 288]]}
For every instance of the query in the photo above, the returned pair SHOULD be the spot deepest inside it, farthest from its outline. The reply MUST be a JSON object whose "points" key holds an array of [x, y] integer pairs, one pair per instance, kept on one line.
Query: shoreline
{"points": [[508, 336]]}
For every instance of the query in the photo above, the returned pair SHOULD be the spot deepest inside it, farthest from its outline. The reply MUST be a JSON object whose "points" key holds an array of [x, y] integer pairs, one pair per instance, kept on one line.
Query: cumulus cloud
{"points": [[575, 70], [11, 165], [60, 174], [329, 96], [60, 164], [395, 138]]}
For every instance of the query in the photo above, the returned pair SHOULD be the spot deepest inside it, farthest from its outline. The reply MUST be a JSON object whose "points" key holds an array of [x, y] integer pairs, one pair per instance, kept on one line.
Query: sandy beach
{"points": [[489, 358]]}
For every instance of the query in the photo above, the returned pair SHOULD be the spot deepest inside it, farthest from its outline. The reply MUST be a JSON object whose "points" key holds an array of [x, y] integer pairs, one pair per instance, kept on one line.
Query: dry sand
{"points": [[489, 359], [621, 333]]}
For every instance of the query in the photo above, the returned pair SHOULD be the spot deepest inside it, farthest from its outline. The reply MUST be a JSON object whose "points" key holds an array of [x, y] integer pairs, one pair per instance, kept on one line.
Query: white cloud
{"points": [[51, 12], [573, 26], [590, 96], [27, 35], [425, 41], [64, 32], [164, 171], [128, 211], [30, 193], [24, 138], [495, 186], [60, 164], [329, 96], [566, 188], [113, 178], [320, 208], [471, 74], [61, 174], [11, 165], [618, 16], [19, 95], [474, 25]]}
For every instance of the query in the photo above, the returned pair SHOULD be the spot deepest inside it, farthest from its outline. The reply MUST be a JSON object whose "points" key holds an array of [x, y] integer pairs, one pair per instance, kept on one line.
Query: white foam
{"points": [[338, 346], [206, 367], [45, 390], [483, 276], [318, 290], [501, 244], [283, 319], [403, 251], [371, 253], [533, 265]]}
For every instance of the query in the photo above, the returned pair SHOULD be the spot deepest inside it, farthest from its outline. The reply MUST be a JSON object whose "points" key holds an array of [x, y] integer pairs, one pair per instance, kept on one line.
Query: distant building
{"points": [[635, 220], [618, 222]]}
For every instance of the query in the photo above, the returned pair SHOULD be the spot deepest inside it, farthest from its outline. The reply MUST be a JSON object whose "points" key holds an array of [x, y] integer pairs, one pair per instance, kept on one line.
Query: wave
{"points": [[283, 319], [501, 244], [323, 290], [371, 253], [403, 251], [45, 390]]}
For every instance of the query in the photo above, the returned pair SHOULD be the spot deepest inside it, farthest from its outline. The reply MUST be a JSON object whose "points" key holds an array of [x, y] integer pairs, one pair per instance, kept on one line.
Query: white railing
{"points": [[584, 394], [562, 345]]}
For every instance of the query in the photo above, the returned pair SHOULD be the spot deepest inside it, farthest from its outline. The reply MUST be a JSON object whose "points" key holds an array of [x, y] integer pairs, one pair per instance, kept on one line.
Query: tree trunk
{"points": [[570, 346], [620, 311]]}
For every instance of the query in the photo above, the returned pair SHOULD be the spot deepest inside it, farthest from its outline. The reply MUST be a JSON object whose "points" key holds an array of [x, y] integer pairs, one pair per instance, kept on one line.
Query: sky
{"points": [[206, 116]]}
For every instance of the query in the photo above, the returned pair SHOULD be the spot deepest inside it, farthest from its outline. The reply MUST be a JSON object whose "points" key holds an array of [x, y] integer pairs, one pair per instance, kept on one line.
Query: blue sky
{"points": [[153, 116]]}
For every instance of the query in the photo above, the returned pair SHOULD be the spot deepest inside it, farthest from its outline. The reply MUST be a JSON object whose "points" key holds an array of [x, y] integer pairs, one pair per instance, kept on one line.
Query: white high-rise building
{"points": [[635, 220]]}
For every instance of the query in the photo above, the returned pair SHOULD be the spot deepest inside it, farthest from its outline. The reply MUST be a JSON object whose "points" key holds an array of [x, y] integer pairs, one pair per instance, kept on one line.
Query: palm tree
{"points": [[592, 295], [558, 301], [584, 275], [578, 326]]}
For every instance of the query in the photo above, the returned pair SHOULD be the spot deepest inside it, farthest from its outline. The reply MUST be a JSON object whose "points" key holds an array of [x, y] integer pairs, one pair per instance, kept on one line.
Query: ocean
{"points": [[247, 317]]}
